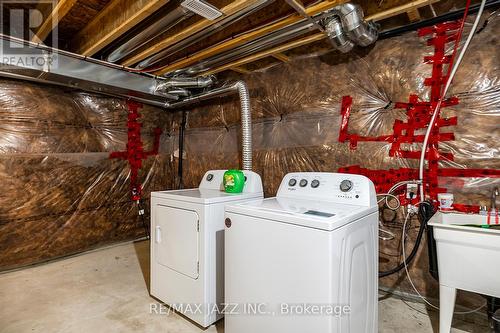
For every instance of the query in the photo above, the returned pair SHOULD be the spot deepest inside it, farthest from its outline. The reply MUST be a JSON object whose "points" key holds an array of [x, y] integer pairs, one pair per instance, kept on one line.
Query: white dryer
{"points": [[187, 245], [306, 260]]}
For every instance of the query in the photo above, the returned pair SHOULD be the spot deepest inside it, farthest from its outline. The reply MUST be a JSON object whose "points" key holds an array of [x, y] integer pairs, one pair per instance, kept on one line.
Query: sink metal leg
{"points": [[447, 296]]}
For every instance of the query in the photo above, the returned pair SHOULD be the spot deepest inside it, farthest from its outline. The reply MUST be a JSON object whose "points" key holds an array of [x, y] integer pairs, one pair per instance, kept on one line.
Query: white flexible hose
{"points": [[403, 245], [438, 106]]}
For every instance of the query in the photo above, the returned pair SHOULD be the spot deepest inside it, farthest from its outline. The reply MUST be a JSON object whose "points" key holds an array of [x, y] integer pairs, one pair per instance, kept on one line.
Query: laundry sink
{"points": [[468, 259]]}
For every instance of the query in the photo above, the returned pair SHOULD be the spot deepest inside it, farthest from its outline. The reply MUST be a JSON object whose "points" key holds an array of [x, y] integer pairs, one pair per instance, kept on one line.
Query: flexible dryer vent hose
{"points": [[246, 124], [246, 114]]}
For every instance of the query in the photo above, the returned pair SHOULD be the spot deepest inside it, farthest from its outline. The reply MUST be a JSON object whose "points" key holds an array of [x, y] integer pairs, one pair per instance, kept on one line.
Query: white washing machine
{"points": [[306, 260], [187, 245]]}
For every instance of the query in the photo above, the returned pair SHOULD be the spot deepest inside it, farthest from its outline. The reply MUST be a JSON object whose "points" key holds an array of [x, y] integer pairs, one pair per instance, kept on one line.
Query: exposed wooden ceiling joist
{"points": [[301, 10], [297, 4], [228, 10], [408, 7], [244, 38], [281, 57], [114, 20], [270, 52], [313, 38], [241, 70], [119, 16], [414, 15], [60, 10]]}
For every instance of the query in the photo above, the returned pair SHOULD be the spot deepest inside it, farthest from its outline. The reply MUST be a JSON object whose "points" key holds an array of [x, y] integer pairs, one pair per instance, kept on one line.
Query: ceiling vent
{"points": [[202, 8]]}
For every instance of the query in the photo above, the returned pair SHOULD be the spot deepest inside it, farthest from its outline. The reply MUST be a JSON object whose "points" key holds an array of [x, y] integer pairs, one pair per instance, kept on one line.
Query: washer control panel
{"points": [[325, 186]]}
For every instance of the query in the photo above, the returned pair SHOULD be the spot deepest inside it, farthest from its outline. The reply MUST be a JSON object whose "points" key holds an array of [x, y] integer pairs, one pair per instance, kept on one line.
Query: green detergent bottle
{"points": [[234, 180]]}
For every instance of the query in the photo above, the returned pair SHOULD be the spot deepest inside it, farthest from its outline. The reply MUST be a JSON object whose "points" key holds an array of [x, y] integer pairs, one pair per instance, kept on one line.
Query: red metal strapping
{"points": [[135, 151], [385, 179], [345, 112], [439, 28], [496, 218], [466, 208], [476, 173], [419, 115]]}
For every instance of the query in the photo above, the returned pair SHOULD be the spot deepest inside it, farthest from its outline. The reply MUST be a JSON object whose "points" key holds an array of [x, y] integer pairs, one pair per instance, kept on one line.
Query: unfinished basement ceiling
{"points": [[96, 28]]}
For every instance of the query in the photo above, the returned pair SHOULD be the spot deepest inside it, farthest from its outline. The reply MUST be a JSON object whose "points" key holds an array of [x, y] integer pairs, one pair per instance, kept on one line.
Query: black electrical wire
{"points": [[426, 209], [142, 213], [485, 24], [181, 150], [425, 212], [455, 15]]}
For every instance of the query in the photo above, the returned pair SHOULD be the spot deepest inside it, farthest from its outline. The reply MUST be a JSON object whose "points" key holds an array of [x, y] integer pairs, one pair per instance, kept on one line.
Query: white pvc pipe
{"points": [[438, 106]]}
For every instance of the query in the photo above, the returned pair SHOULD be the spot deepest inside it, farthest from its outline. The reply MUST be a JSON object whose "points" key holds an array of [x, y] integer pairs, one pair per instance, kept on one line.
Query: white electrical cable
{"points": [[387, 232], [392, 189], [385, 195], [438, 105], [404, 182], [422, 158], [403, 236]]}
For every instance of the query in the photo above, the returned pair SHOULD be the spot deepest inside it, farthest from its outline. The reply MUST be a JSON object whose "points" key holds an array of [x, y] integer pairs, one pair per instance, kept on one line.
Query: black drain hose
{"points": [[425, 212]]}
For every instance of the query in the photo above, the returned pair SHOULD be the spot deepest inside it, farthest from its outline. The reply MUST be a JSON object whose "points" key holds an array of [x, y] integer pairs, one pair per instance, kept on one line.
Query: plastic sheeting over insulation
{"points": [[296, 111], [61, 193]]}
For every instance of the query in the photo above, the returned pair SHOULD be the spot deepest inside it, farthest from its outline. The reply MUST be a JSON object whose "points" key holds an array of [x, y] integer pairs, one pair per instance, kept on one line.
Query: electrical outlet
{"points": [[412, 209], [411, 188]]}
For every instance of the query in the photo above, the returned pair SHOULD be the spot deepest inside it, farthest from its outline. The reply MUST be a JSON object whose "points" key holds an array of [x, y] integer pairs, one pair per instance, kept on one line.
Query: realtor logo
{"points": [[29, 20]]}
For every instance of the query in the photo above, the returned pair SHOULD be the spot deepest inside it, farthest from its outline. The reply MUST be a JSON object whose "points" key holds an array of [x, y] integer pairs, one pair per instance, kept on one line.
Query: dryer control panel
{"points": [[324, 186], [213, 180]]}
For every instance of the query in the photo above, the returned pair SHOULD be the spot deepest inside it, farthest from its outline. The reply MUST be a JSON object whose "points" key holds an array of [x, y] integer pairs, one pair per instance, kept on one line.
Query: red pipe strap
{"points": [[135, 153], [419, 114]]}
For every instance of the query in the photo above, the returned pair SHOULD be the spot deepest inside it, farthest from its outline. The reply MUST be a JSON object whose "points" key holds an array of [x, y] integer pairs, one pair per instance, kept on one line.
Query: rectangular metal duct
{"points": [[202, 8], [29, 61]]}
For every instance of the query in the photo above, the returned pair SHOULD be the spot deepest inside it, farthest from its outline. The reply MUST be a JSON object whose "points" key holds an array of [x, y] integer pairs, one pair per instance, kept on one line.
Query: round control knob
{"points": [[315, 183], [210, 177], [303, 183], [292, 182], [346, 185]]}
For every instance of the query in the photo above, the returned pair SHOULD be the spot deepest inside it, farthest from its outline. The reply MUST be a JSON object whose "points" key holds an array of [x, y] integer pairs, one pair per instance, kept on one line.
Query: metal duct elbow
{"points": [[359, 31], [337, 36]]}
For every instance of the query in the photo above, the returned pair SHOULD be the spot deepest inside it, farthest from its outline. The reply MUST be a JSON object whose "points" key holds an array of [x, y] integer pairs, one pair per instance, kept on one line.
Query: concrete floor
{"points": [[107, 290]]}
